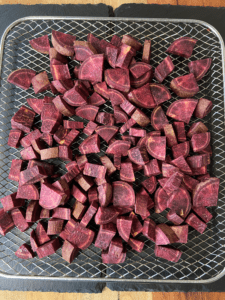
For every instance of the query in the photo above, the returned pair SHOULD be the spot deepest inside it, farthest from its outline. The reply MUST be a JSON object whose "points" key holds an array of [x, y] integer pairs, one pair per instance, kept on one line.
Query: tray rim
{"points": [[216, 32]]}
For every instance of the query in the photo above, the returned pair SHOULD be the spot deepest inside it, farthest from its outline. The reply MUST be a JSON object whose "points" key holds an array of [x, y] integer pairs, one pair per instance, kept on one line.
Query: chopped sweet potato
{"points": [[160, 93], [123, 225], [206, 192], [18, 216], [158, 118], [181, 149], [185, 86], [152, 168], [203, 108], [21, 78], [105, 235], [180, 131], [180, 202], [161, 198], [33, 211], [182, 109], [173, 217], [199, 67], [69, 251], [105, 215], [164, 69], [24, 252], [182, 46], [168, 253], [11, 201], [63, 42], [123, 194], [196, 223], [164, 235], [118, 79], [156, 147], [48, 248]]}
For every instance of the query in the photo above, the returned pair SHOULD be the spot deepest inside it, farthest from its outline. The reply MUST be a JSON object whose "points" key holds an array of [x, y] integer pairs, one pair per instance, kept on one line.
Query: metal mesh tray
{"points": [[203, 258]]}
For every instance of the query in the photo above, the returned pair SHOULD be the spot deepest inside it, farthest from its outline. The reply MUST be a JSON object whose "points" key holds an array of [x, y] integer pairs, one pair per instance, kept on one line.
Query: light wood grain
{"points": [[135, 296], [215, 3], [188, 296], [172, 2]]}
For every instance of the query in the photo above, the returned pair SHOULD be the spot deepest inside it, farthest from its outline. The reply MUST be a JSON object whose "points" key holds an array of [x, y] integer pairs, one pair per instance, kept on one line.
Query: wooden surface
{"points": [[108, 294]]}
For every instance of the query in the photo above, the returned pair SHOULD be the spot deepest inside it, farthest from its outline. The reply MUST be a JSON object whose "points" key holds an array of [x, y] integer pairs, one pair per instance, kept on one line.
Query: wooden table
{"points": [[108, 294]]}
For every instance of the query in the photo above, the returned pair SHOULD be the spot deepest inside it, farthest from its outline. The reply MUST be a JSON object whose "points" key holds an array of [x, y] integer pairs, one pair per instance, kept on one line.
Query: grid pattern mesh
{"points": [[203, 256]]}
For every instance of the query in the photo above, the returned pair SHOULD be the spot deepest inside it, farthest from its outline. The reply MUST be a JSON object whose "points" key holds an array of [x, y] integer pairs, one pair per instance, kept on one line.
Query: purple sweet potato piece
{"points": [[54, 226], [96, 100], [94, 170], [28, 191], [65, 153], [109, 259], [168, 253], [141, 205], [21, 78], [49, 153], [93, 194], [61, 86], [123, 194], [118, 98], [199, 171], [24, 252], [125, 55], [15, 169], [36, 104], [108, 164], [75, 96], [185, 86], [199, 67], [182, 164], [81, 161], [130, 41], [190, 183], [136, 227], [152, 168], [138, 156], [60, 134], [26, 141], [63, 42], [49, 168], [156, 147], [14, 138], [146, 51], [164, 235], [203, 213], [203, 108], [140, 118], [69, 251], [138, 69], [183, 47], [161, 199], [173, 183], [32, 175], [94, 41], [206, 192], [158, 118], [62, 213], [160, 93], [105, 118], [180, 202], [173, 217], [101, 89], [103, 45], [142, 97], [128, 107], [79, 210], [162, 181], [38, 145], [203, 177], [117, 161], [40, 82], [106, 132], [137, 132], [116, 41], [196, 128], [119, 115], [89, 214], [131, 139], [181, 232], [48, 248], [170, 135], [180, 131], [95, 64], [126, 172], [41, 234], [50, 196], [72, 124], [81, 237], [23, 119], [118, 148], [105, 235], [196, 223], [116, 247], [45, 213], [29, 153], [181, 149], [112, 54], [78, 194], [6, 222], [182, 109], [138, 82], [88, 112], [47, 138], [118, 79], [33, 211], [60, 72], [105, 194], [105, 215], [168, 170], [50, 112], [200, 141], [198, 161], [63, 107], [84, 181], [83, 50], [148, 229], [150, 184], [164, 69], [11, 201], [136, 244], [123, 225], [18, 216]]}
